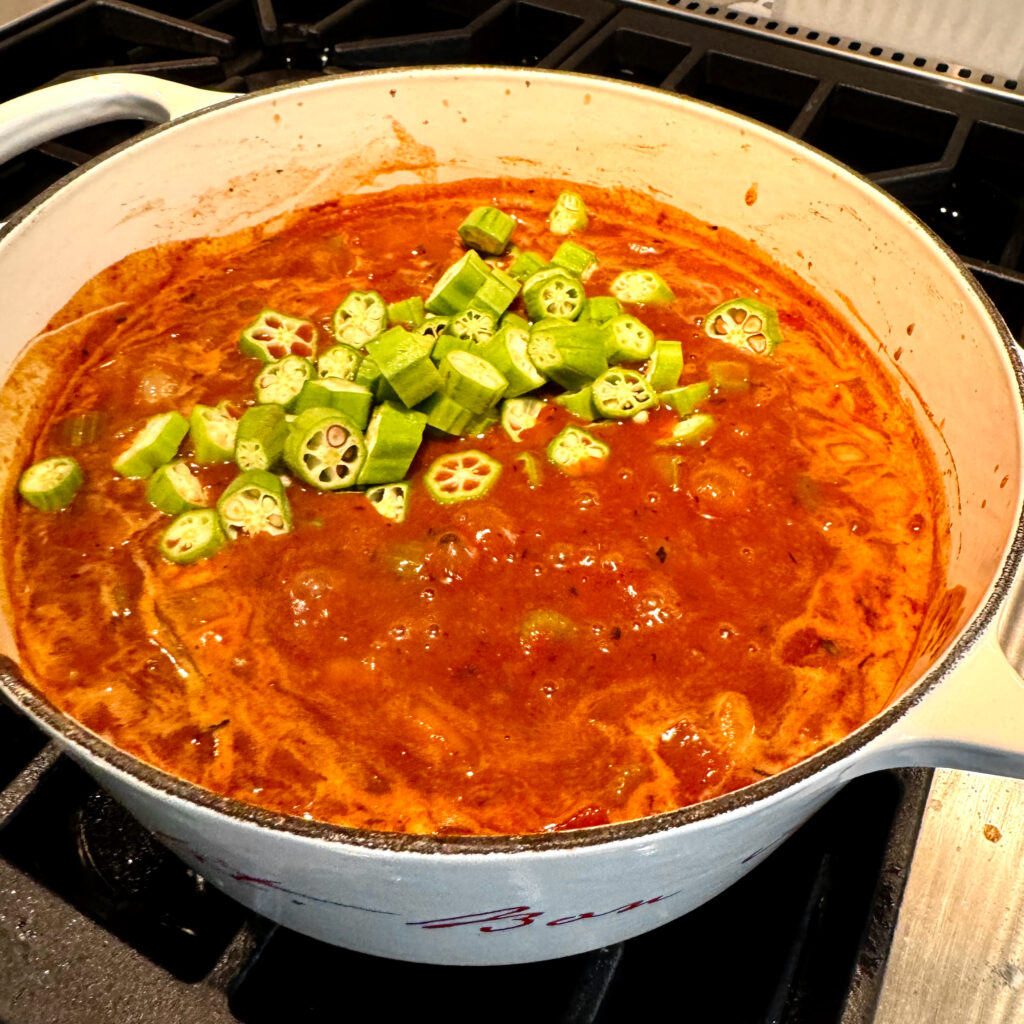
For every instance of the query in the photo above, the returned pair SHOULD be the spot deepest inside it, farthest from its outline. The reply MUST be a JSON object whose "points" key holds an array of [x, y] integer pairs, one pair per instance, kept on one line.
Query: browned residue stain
{"points": [[751, 195], [896, 355], [991, 833], [277, 119], [586, 99], [944, 622], [935, 804], [910, 328], [1004, 482]]}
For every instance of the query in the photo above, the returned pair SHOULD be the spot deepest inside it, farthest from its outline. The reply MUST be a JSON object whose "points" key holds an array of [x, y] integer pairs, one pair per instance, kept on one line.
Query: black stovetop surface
{"points": [[99, 924]]}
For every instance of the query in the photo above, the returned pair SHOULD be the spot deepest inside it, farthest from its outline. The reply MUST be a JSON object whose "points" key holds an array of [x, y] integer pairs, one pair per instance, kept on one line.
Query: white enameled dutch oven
{"points": [[234, 162]]}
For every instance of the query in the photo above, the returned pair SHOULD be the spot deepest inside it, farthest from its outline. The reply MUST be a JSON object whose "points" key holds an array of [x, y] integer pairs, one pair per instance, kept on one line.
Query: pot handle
{"points": [[974, 719], [57, 109]]}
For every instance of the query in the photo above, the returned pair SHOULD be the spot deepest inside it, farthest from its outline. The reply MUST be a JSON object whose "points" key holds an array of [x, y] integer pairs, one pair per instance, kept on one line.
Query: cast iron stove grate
{"points": [[100, 924]]}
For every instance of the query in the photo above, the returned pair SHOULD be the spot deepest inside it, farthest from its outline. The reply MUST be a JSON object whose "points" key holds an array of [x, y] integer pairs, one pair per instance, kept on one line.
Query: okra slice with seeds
{"points": [[360, 316], [577, 452], [686, 399], [488, 230], [570, 354], [568, 214], [433, 327], [273, 335], [508, 351], [354, 400], [520, 414], [280, 382], [340, 362], [579, 403], [390, 500], [553, 293], [665, 366], [472, 326], [392, 440], [461, 476], [643, 286], [213, 430], [496, 294], [325, 449], [526, 264], [405, 365], [627, 340], [578, 260], [746, 323], [192, 535], [173, 489], [51, 484], [694, 430], [409, 312], [471, 380], [621, 394], [156, 443], [254, 502], [259, 441], [456, 287]]}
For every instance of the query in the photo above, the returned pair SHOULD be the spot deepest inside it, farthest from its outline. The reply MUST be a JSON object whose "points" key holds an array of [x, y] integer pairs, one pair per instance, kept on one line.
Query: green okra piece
{"points": [[577, 452], [456, 287], [339, 361], [390, 500], [156, 443], [601, 309], [392, 440], [496, 294], [508, 351], [281, 382], [174, 489], [620, 393], [471, 380], [520, 414], [488, 230], [686, 399], [192, 535], [404, 365], [747, 323], [409, 312], [472, 327], [579, 403], [52, 483], [526, 264], [575, 258], [359, 318], [568, 214], [259, 441], [693, 429], [553, 293], [213, 430], [354, 400], [273, 335], [254, 502], [665, 365], [446, 414], [325, 449], [461, 476], [627, 339], [644, 286], [570, 354]]}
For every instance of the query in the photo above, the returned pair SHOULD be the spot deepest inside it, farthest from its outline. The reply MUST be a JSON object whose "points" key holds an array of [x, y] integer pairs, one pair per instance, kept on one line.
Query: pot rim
{"points": [[27, 698]]}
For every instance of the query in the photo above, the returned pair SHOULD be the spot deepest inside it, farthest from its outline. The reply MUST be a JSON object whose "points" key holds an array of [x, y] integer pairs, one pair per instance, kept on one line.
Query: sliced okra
{"points": [[340, 362], [174, 489], [488, 230], [520, 414], [627, 340], [192, 535], [553, 293], [213, 430], [746, 323], [601, 309], [577, 452], [686, 399], [446, 414], [360, 317], [433, 327], [472, 326], [578, 260], [461, 476], [409, 312], [471, 380], [526, 264], [665, 365], [693, 429], [456, 287], [259, 441], [620, 393], [568, 214], [280, 382], [354, 400], [508, 351], [496, 294], [405, 365], [644, 286], [273, 335], [570, 354], [392, 440], [580, 403], [156, 443], [254, 502], [325, 449], [51, 484], [390, 500]]}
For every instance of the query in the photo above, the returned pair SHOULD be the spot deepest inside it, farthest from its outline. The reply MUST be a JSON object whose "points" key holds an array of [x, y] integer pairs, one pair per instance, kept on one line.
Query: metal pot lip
{"points": [[28, 699]]}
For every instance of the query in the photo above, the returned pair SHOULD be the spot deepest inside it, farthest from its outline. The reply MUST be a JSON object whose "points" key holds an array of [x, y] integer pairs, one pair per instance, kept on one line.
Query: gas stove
{"points": [[99, 924]]}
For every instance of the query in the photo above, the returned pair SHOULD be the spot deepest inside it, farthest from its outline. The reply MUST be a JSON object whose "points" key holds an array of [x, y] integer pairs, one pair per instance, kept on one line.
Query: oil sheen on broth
{"points": [[562, 653]]}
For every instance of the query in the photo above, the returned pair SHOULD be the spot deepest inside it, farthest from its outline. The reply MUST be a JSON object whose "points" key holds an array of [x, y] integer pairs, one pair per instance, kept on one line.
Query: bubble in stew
{"points": [[491, 507]]}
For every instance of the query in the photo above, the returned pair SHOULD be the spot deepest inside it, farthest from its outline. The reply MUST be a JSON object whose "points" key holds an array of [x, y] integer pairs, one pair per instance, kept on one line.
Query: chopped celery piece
{"points": [[51, 484], [213, 430], [354, 400], [553, 293], [627, 340], [508, 351], [360, 316], [273, 336], [575, 258], [392, 440], [280, 382], [259, 442], [601, 309], [461, 476], [390, 500], [526, 264], [644, 286], [579, 403], [621, 394], [458, 284], [576, 452], [570, 354], [325, 449], [520, 414], [746, 323], [191, 536], [686, 399], [404, 365], [254, 502], [568, 214], [471, 380], [665, 366], [156, 443], [409, 312], [173, 489], [728, 377], [340, 362], [488, 230], [691, 430]]}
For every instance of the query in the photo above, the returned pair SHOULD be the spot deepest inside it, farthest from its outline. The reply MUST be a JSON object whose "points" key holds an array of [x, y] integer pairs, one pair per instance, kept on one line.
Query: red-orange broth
{"points": [[733, 607]]}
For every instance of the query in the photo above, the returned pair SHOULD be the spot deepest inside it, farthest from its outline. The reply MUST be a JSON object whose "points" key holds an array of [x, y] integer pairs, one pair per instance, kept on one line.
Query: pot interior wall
{"points": [[262, 158]]}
